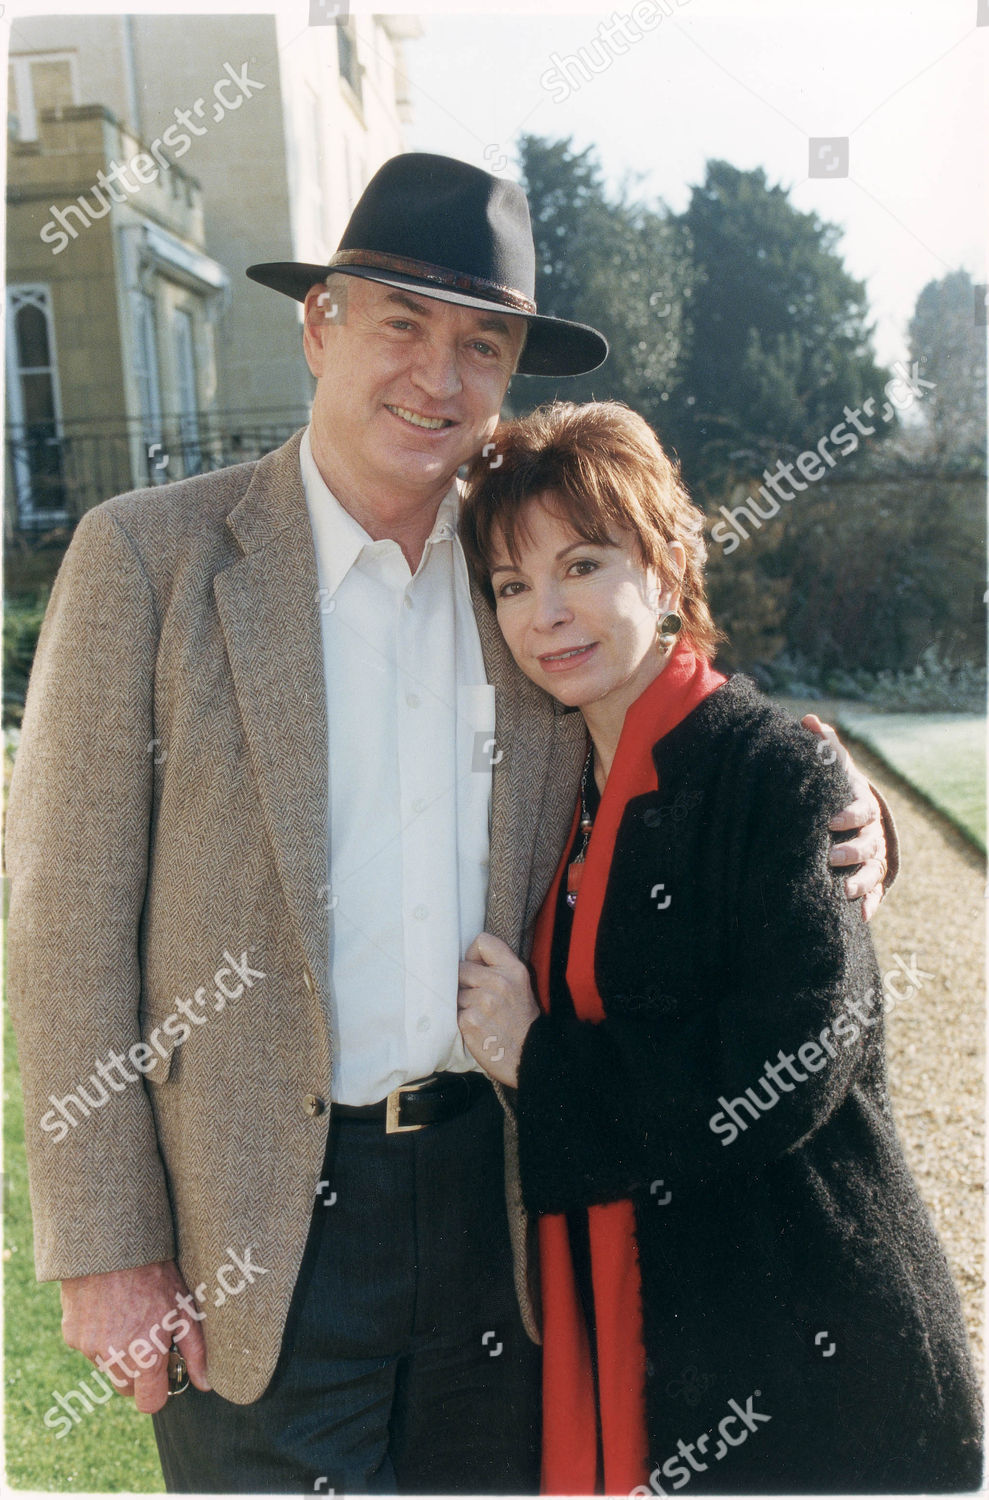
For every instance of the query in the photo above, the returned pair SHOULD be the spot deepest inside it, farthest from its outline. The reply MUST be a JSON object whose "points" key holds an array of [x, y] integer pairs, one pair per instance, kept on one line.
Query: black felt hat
{"points": [[452, 231]]}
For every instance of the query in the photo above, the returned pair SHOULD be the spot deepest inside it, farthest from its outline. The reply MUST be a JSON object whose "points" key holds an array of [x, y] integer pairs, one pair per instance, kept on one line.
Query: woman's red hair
{"points": [[608, 473]]}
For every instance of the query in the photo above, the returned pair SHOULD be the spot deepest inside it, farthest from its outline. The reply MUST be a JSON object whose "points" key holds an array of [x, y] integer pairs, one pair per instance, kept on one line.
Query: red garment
{"points": [[570, 1446]]}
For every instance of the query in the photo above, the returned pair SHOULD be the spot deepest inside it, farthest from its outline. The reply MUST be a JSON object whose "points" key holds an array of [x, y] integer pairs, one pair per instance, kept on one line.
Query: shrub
{"points": [[21, 626], [935, 684]]}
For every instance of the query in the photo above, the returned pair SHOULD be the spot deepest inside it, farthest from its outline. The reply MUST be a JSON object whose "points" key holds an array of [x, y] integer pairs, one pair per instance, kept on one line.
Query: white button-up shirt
{"points": [[411, 733]]}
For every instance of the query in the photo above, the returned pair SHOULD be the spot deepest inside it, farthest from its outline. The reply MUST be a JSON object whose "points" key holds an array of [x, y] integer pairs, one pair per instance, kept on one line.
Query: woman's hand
{"points": [[496, 1007]]}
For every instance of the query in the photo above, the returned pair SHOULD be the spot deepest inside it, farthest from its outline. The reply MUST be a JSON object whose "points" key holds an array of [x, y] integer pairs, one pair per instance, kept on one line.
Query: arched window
{"points": [[33, 401]]}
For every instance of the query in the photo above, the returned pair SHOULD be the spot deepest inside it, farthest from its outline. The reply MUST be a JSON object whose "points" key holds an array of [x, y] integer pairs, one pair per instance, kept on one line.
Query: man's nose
{"points": [[436, 371]]}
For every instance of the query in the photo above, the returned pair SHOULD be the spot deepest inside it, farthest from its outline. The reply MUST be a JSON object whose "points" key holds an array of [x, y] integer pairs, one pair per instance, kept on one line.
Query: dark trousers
{"points": [[405, 1367]]}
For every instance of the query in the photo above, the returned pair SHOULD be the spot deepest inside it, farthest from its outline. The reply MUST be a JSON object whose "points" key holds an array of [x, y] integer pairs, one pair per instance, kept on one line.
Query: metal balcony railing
{"points": [[55, 472]]}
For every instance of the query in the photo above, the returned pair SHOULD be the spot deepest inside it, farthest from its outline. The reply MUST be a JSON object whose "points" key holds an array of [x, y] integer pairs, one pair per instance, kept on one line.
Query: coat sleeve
{"points": [[77, 860], [606, 1108]]}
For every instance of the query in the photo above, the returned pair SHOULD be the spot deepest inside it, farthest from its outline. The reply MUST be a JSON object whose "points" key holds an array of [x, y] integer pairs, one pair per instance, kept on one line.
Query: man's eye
{"points": [[402, 324]]}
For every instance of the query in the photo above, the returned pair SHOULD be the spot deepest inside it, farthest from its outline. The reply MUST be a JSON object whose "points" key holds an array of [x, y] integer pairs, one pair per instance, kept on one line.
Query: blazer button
{"points": [[313, 1105], [308, 980]]}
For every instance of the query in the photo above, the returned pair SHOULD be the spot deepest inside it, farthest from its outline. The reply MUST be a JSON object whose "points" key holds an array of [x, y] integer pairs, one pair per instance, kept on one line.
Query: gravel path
{"points": [[936, 1039]]}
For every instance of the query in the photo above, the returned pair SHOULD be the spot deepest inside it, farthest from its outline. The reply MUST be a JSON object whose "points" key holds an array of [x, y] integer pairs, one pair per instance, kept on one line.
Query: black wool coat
{"points": [[802, 1330]]}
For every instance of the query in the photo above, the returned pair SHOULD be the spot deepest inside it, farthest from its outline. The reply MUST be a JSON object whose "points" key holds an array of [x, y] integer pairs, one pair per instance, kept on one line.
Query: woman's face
{"points": [[579, 618]]}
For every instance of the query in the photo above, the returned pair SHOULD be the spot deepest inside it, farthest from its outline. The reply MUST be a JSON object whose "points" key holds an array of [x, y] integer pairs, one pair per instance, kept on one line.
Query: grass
{"points": [[942, 755], [110, 1448]]}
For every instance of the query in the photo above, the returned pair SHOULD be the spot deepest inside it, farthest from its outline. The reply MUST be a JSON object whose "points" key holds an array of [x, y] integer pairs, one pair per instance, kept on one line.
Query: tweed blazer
{"points": [[166, 841]]}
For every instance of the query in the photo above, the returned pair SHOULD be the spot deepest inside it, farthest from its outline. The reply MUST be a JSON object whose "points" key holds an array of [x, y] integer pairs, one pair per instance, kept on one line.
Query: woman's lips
{"points": [[560, 661]]}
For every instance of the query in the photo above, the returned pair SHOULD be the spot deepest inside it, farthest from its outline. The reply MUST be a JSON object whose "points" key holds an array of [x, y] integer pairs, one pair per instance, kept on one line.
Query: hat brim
{"points": [[553, 346]]}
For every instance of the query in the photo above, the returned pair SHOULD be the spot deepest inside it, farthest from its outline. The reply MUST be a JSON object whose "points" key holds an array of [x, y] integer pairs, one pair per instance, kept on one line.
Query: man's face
{"points": [[409, 387]]}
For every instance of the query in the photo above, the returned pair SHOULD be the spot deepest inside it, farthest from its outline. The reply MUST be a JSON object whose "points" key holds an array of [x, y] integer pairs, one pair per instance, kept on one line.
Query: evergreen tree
{"points": [[620, 266], [949, 344], [778, 341]]}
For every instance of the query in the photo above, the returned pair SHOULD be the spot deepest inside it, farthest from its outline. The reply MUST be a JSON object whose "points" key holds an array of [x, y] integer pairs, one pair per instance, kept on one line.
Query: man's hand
{"points": [[120, 1320], [868, 848], [496, 1006]]}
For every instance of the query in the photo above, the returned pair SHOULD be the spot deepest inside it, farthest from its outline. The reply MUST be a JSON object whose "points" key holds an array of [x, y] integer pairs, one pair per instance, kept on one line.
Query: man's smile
{"points": [[416, 419]]}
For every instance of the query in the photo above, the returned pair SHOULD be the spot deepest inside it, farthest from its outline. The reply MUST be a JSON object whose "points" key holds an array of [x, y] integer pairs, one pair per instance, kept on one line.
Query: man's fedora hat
{"points": [[449, 230]]}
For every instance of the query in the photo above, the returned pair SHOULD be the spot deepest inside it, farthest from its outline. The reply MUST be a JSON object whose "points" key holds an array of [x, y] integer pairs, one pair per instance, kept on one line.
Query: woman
{"points": [[741, 1288]]}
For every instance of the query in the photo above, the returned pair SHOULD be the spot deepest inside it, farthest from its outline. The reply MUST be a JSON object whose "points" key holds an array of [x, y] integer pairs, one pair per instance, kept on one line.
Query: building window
{"points": [[148, 384], [314, 219], [186, 390], [350, 68], [40, 81], [35, 415]]}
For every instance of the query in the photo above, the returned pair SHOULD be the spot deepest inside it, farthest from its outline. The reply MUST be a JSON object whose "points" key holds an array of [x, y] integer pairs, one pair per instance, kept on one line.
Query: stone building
{"points": [[151, 159]]}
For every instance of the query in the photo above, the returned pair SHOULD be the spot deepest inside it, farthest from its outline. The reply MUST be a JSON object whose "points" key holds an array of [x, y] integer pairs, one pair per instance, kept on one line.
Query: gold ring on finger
{"points": [[178, 1372]]}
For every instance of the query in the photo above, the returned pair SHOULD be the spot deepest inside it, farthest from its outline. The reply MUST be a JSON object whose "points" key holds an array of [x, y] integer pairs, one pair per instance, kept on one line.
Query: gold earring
{"points": [[667, 629]]}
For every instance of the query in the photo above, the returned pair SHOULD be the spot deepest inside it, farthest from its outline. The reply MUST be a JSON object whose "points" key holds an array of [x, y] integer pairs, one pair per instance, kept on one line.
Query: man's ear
{"points": [[314, 329]]}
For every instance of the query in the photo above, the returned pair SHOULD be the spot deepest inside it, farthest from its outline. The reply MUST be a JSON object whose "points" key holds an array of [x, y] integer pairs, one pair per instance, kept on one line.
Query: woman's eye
{"points": [[582, 566], [509, 590]]}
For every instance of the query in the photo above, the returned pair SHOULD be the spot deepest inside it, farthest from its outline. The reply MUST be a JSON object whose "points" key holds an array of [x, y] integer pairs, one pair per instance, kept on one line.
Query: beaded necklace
{"points": [[575, 869]]}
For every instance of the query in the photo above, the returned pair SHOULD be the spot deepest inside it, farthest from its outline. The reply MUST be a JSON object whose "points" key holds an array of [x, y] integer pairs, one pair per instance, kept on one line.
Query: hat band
{"points": [[439, 275]]}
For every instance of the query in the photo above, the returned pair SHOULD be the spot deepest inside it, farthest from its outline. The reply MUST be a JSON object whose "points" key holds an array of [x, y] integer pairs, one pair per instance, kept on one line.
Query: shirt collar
{"points": [[341, 539]]}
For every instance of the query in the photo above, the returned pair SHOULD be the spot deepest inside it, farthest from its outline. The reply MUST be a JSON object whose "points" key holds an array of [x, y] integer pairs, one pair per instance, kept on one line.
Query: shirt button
{"points": [[313, 1105], [421, 913], [419, 805], [408, 602], [412, 699], [423, 1023]]}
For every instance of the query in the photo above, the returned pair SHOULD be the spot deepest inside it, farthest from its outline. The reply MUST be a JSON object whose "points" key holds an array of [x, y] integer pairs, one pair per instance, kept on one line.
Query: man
{"points": [[248, 840]]}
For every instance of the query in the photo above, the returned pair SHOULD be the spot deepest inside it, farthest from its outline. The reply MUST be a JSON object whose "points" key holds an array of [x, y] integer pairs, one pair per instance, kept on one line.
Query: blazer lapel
{"points": [[269, 611], [541, 751]]}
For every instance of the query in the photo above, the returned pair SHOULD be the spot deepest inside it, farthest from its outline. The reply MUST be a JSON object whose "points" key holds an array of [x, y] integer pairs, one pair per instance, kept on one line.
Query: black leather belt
{"points": [[413, 1106]]}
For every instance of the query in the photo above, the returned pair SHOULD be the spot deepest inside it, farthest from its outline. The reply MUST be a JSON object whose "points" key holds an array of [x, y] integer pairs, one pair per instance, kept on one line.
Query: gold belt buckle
{"points": [[392, 1102]]}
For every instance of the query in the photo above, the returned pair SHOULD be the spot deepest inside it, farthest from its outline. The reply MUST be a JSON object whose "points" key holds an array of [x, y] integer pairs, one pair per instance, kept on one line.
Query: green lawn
{"points": [[110, 1448], [942, 755]]}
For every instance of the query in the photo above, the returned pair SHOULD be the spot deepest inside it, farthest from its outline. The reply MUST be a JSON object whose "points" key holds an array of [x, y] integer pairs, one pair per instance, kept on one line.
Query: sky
{"points": [[749, 81]]}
